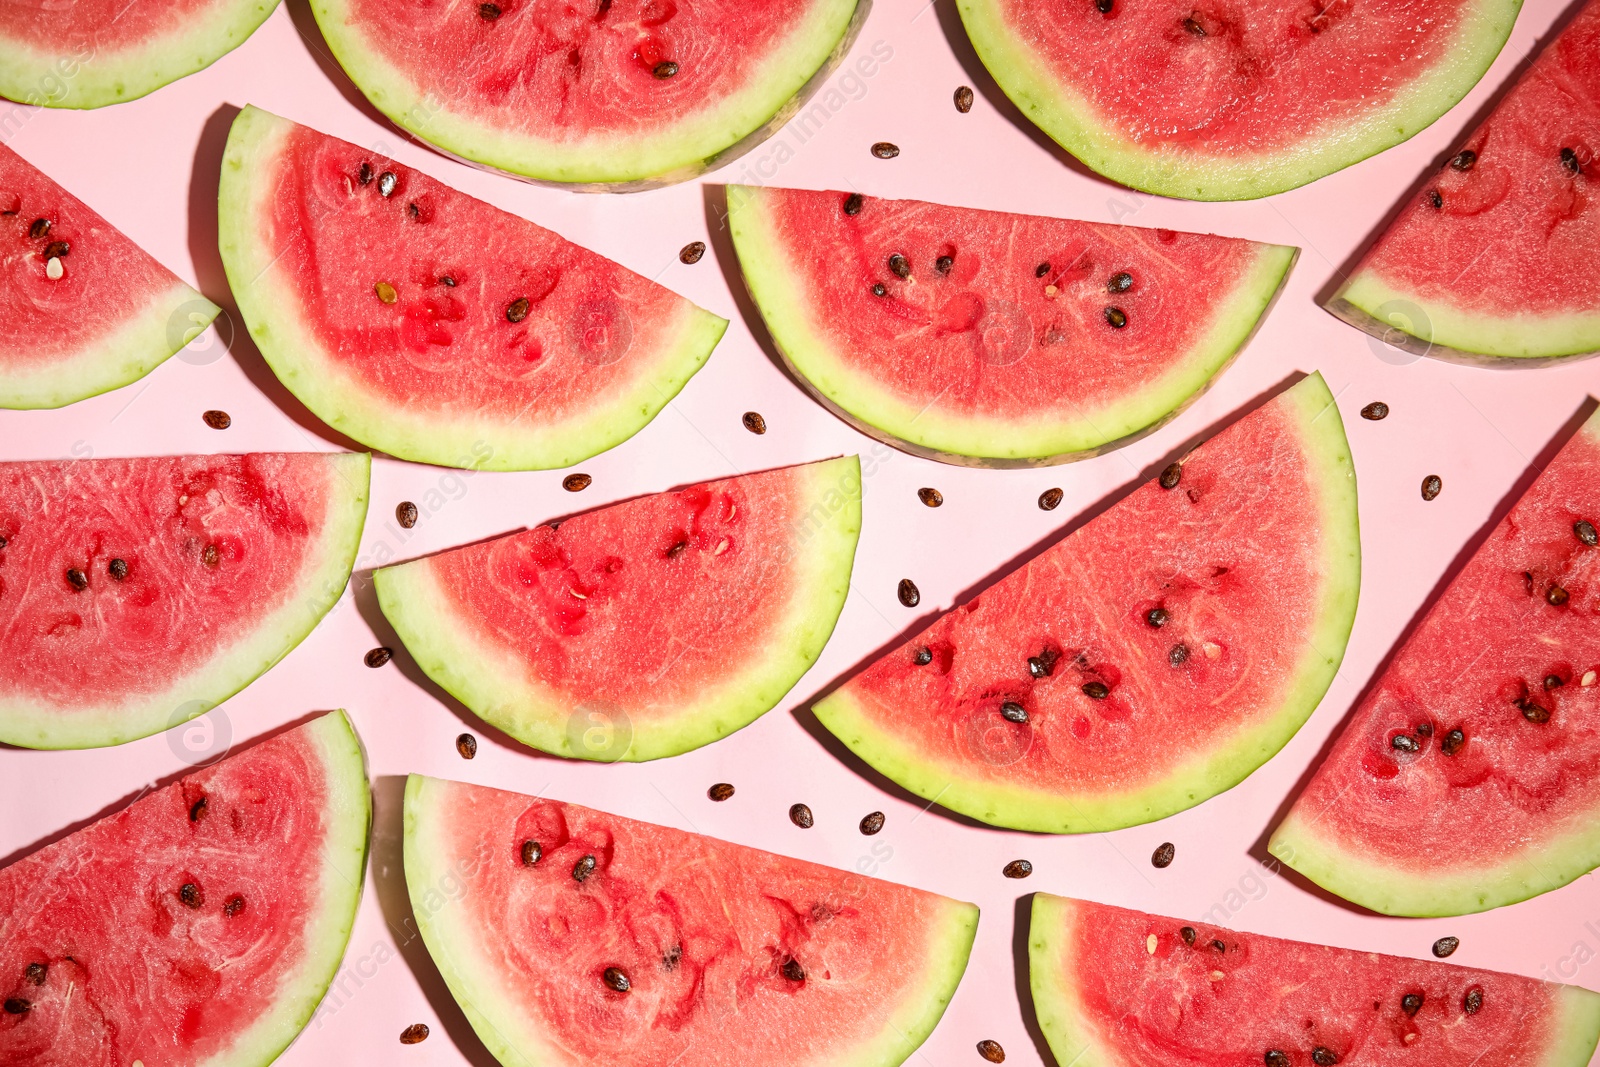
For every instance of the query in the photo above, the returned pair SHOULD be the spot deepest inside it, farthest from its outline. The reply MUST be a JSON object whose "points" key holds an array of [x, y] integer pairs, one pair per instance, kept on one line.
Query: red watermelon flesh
{"points": [[643, 617], [1404, 816], [991, 338], [138, 593], [435, 326], [109, 316], [1121, 988], [728, 954], [200, 924], [1483, 264], [1153, 657]]}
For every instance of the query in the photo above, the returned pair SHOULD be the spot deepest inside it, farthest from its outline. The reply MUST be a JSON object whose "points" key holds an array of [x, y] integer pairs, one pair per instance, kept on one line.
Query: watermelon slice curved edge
{"points": [[1063, 113]]}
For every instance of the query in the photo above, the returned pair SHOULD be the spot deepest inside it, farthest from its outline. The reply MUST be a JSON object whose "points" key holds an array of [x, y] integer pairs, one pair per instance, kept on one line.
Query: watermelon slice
{"points": [[431, 325], [1478, 268], [605, 93], [90, 53], [199, 925], [575, 938], [1466, 778], [87, 310], [1208, 100], [643, 629], [1152, 658], [991, 339], [139, 593], [1120, 988]]}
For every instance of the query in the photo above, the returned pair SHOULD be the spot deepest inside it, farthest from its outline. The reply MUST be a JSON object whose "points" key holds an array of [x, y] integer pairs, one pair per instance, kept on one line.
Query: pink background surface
{"points": [[150, 167]]}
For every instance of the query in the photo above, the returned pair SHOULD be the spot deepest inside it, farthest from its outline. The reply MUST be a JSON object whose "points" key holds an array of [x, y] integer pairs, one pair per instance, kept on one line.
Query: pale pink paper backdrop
{"points": [[149, 166]]}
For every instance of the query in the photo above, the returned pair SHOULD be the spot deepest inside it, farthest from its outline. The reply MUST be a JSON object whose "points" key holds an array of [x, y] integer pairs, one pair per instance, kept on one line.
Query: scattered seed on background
{"points": [[617, 979], [792, 970], [754, 422], [1276, 1058], [488, 12], [1171, 476], [872, 823], [1116, 317], [17, 1006], [1375, 411], [531, 852], [378, 656], [885, 150], [1411, 1003], [963, 99], [199, 809], [943, 264], [1104, 6], [1452, 742], [1194, 27], [36, 972], [467, 745], [900, 266], [1464, 159], [210, 556], [665, 69], [1404, 743], [1041, 270], [583, 869], [931, 497], [923, 657], [1323, 1056], [1219, 946], [217, 420], [414, 1033], [879, 289], [56, 249], [118, 569], [386, 292], [1555, 596], [1533, 712], [1011, 711], [234, 906], [576, 483], [852, 204], [40, 229], [1178, 655], [517, 310], [1156, 617], [1472, 1003], [1584, 531], [720, 792], [1554, 681], [405, 513], [191, 896], [909, 594], [386, 183], [1569, 159], [1017, 869], [77, 579], [448, 281], [1163, 855], [691, 252], [1188, 934], [1049, 500], [801, 816], [1445, 946], [991, 1051], [1096, 690], [1432, 485], [1435, 199]]}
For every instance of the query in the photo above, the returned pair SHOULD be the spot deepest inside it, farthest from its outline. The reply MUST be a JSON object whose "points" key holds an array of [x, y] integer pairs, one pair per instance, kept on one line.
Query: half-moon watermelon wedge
{"points": [[199, 925], [642, 629], [575, 938], [139, 593], [1478, 269], [87, 310], [603, 93], [431, 325], [1120, 988], [991, 339], [1150, 659], [1467, 778], [1220, 101], [90, 53]]}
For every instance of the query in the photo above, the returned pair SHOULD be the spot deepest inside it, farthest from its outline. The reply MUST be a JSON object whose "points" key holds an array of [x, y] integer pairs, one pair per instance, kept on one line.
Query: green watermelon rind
{"points": [[326, 572], [861, 399], [1075, 1040], [469, 439], [1435, 328], [79, 82], [1068, 119], [450, 938], [496, 686], [1208, 773], [343, 871], [673, 154], [140, 345]]}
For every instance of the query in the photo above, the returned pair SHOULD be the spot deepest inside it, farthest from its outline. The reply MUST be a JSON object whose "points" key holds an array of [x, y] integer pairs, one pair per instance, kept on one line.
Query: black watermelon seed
{"points": [[467, 745], [1445, 946], [872, 823], [1041, 270], [413, 210], [1432, 486], [1584, 530], [1554, 681], [991, 1051], [191, 896], [56, 249], [885, 150], [1569, 159], [1120, 282], [1404, 743], [963, 99], [1435, 199], [583, 869], [377, 657], [879, 289], [1178, 655], [923, 657], [617, 979], [36, 973], [1533, 712], [900, 266], [793, 971], [1049, 500], [405, 513], [1323, 1056], [364, 173], [676, 549], [931, 497], [531, 852], [1171, 476], [1096, 690], [665, 69], [1464, 159], [1411, 1003], [118, 569], [720, 792], [233, 906], [1375, 411], [17, 1006], [1472, 1003], [1116, 317], [1218, 945], [1163, 855], [754, 422], [39, 229], [1104, 6], [801, 816], [386, 183], [413, 1034], [943, 264], [1156, 617], [217, 420], [1275, 1058], [1017, 869], [448, 281], [199, 810], [488, 12], [909, 595], [1011, 711], [1424, 729], [1452, 742], [691, 252], [1194, 27], [852, 204], [576, 483], [517, 310], [1044, 664], [77, 579], [1188, 934], [1555, 596]]}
